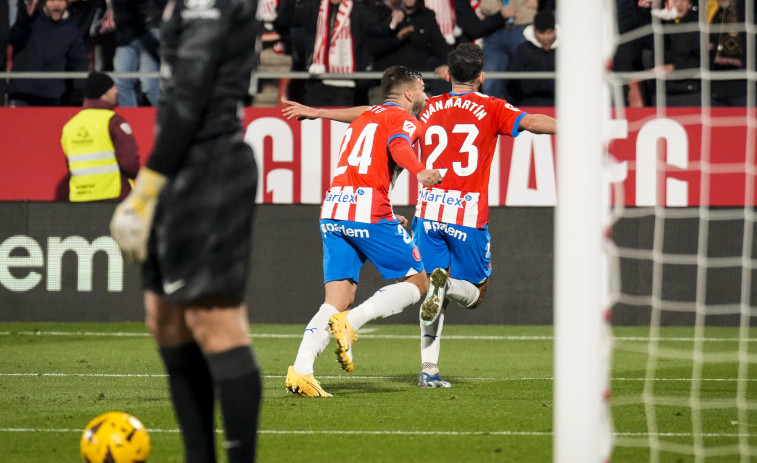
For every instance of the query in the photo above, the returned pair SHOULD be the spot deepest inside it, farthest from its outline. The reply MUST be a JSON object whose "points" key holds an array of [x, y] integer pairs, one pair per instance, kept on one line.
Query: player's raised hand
{"points": [[292, 109], [429, 177], [131, 223]]}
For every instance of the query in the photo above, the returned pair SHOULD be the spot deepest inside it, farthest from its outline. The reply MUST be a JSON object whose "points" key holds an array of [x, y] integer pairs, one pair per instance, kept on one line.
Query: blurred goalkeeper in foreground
{"points": [[200, 184]]}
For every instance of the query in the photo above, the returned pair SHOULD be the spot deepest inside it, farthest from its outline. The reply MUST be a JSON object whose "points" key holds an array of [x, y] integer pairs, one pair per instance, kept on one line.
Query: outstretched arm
{"points": [[539, 123], [301, 112]]}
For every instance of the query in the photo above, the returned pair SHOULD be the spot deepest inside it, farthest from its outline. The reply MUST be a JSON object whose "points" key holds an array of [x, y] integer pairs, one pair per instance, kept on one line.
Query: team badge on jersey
{"points": [[416, 253], [409, 127]]}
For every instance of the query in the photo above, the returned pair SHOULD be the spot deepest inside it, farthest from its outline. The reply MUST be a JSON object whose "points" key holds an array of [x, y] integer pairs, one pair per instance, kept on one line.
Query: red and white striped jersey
{"points": [[360, 188], [458, 137]]}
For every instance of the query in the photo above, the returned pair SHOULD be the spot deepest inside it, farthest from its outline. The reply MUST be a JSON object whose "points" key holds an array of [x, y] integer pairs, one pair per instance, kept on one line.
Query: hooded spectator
{"points": [[45, 39]]}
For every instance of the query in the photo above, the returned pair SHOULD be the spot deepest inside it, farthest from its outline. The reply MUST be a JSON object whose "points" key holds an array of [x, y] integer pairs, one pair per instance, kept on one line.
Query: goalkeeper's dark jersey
{"points": [[207, 56]]}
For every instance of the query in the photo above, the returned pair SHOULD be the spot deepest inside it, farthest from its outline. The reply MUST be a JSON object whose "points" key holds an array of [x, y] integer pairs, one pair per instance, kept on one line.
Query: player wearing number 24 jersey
{"points": [[374, 149], [357, 224]]}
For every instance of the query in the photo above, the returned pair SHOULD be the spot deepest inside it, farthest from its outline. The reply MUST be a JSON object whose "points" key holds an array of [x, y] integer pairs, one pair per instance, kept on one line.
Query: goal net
{"points": [[683, 284]]}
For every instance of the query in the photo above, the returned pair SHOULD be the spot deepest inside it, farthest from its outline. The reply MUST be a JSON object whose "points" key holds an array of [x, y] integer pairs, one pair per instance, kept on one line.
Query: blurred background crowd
{"points": [[351, 36]]}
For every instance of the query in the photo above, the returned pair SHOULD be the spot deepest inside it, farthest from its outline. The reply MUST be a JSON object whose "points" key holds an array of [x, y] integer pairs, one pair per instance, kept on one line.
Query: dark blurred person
{"points": [[410, 36], [536, 54], [45, 39], [499, 47], [137, 38], [189, 220], [728, 53]]}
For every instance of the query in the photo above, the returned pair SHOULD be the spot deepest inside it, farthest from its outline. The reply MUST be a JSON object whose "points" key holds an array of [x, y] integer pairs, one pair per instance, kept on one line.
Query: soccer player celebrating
{"points": [[357, 223], [458, 135], [451, 219], [199, 185]]}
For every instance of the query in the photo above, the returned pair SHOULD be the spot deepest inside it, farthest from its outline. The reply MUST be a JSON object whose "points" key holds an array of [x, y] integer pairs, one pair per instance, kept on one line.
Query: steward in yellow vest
{"points": [[99, 146]]}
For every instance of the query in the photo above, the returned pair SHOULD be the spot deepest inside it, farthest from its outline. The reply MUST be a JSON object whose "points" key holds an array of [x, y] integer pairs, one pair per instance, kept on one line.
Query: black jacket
{"points": [[41, 44], [682, 51], [530, 57], [207, 57], [135, 18], [423, 50], [471, 25]]}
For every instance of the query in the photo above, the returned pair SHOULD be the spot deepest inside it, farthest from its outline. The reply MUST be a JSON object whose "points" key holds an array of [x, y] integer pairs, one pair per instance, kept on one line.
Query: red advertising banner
{"points": [[677, 159]]}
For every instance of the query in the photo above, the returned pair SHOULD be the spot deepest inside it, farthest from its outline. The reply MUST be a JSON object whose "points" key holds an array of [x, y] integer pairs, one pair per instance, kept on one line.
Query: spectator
{"points": [[99, 146], [728, 53], [334, 37], [292, 20], [499, 47], [682, 51], [474, 24], [635, 55], [137, 38], [537, 54], [83, 14], [410, 36], [4, 28], [44, 39], [463, 21]]}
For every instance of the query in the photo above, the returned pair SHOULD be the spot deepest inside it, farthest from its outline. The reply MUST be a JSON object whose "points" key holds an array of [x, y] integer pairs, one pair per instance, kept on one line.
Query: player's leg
{"points": [[466, 294], [391, 250], [431, 342], [469, 260], [204, 247], [222, 333], [432, 241], [300, 379], [470, 267], [396, 257], [189, 380], [341, 270], [387, 301]]}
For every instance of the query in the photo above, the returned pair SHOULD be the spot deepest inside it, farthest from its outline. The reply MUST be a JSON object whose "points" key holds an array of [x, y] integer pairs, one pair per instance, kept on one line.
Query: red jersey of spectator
{"points": [[459, 136], [374, 147]]}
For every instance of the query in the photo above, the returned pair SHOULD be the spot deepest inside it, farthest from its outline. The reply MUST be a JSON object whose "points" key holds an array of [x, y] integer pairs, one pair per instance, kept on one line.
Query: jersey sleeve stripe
{"points": [[516, 125], [402, 135]]}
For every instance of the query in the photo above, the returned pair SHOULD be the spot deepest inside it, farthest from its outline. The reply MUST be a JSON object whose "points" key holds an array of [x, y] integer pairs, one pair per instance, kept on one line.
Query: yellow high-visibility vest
{"points": [[91, 156]]}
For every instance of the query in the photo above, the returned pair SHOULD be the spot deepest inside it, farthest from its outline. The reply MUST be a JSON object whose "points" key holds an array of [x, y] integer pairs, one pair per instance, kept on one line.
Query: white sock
{"points": [[463, 292], [431, 344], [314, 340], [387, 301]]}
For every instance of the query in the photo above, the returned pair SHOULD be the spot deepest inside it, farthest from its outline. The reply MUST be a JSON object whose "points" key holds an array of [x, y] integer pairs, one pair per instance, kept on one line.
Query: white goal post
{"points": [[578, 384]]}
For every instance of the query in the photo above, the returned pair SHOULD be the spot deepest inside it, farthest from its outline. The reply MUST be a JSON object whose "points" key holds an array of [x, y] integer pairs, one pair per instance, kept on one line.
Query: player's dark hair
{"points": [[396, 78], [466, 62]]}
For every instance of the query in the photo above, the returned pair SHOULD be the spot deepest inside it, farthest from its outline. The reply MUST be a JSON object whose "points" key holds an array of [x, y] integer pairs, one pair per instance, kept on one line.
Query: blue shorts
{"points": [[347, 244], [465, 251]]}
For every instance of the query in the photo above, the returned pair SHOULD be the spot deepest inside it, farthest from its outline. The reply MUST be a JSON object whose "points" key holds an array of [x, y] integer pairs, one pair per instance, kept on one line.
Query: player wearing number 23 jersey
{"points": [[459, 139]]}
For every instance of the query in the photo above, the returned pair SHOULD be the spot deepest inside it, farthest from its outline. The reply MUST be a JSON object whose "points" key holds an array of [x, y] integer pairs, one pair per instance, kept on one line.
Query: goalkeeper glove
{"points": [[131, 222]]}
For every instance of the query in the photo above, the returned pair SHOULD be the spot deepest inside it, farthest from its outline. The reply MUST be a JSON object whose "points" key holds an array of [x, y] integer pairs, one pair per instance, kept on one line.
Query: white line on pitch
{"points": [[462, 378], [383, 336], [408, 433]]}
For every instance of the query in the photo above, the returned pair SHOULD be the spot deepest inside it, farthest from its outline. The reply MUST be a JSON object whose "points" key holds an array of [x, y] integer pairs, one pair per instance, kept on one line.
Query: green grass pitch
{"points": [[55, 377]]}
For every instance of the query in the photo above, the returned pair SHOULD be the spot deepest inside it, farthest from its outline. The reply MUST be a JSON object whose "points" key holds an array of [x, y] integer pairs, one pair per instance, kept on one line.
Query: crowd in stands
{"points": [[349, 36]]}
